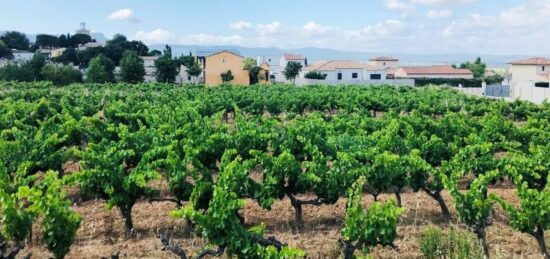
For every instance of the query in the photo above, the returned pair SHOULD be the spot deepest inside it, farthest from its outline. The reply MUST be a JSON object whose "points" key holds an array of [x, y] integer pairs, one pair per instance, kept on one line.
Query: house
{"points": [[435, 71], [274, 64], [54, 53], [384, 62], [265, 70], [346, 71], [21, 56], [150, 69], [287, 58], [221, 62], [530, 79]]}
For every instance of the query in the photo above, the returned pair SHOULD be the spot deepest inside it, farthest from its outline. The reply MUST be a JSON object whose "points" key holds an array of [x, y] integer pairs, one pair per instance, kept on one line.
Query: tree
{"points": [[186, 61], [194, 70], [62, 41], [79, 39], [155, 53], [249, 63], [97, 73], [116, 47], [16, 72], [477, 67], [315, 75], [366, 229], [292, 70], [16, 40], [36, 64], [166, 69], [69, 56], [85, 56], [131, 68], [5, 52], [140, 48], [227, 77], [101, 70], [46, 41], [61, 75]]}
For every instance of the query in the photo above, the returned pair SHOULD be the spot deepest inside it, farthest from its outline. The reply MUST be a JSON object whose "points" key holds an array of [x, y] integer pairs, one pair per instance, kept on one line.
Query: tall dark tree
{"points": [[46, 41], [16, 40], [5, 52], [62, 41], [85, 56], [166, 69], [131, 68], [155, 53], [477, 67], [61, 75], [139, 47], [116, 47], [97, 72], [79, 39]]}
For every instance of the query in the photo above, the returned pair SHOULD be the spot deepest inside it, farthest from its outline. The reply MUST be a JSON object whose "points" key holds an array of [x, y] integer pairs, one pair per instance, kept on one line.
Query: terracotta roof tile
{"points": [[338, 64], [532, 61], [436, 70]]}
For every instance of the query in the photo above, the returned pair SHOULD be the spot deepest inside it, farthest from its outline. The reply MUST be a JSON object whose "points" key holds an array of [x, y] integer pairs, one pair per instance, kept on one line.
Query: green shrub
{"points": [[435, 243], [315, 75]]}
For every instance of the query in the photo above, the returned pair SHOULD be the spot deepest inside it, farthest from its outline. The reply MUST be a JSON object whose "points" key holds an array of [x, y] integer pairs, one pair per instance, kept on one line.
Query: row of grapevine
{"points": [[220, 147]]}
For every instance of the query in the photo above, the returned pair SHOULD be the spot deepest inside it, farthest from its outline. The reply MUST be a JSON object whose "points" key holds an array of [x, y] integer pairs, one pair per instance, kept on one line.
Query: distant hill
{"points": [[318, 54]]}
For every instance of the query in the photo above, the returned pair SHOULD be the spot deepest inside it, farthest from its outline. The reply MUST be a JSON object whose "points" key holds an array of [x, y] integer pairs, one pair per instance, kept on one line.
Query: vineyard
{"points": [[155, 170]]}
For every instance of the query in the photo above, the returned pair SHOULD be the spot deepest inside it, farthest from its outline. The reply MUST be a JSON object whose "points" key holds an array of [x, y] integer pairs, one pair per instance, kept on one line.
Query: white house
{"points": [[346, 71], [21, 55], [435, 71], [150, 69], [275, 68], [530, 79], [277, 73]]}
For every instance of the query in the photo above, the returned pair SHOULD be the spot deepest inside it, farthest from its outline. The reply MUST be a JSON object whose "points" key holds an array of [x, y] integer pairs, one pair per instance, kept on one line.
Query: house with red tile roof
{"points": [[435, 71], [347, 70], [531, 79]]}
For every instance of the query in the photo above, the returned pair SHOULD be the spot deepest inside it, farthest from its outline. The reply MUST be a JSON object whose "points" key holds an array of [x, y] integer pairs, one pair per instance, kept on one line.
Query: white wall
{"points": [[527, 91], [399, 82]]}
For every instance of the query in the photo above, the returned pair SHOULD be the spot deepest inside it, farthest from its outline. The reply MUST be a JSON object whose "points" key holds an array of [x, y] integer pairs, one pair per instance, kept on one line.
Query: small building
{"points": [[150, 69], [54, 53], [287, 58], [265, 70], [21, 56], [221, 62], [435, 71], [530, 79], [384, 62], [346, 70], [275, 69]]}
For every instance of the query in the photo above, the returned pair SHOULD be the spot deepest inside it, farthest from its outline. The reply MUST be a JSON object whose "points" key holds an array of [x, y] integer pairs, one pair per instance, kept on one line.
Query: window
{"points": [[188, 78], [354, 75], [375, 76], [339, 76], [542, 84], [223, 60], [543, 67]]}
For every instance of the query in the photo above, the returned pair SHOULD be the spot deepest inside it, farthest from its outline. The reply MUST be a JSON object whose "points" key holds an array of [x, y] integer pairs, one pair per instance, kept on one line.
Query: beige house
{"points": [[531, 79], [221, 62], [435, 71], [384, 62]]}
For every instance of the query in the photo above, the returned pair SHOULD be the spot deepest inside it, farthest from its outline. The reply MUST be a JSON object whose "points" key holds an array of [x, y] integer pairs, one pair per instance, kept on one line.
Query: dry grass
{"points": [[101, 230]]}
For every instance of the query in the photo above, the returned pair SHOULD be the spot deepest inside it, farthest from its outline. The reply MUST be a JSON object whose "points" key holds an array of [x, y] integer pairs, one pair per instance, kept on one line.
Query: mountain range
{"points": [[319, 54]]}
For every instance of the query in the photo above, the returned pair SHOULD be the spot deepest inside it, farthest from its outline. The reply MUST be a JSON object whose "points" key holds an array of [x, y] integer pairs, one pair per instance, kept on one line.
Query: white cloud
{"points": [[123, 15], [209, 39], [438, 14], [441, 2], [241, 25], [155, 36], [315, 28], [396, 4]]}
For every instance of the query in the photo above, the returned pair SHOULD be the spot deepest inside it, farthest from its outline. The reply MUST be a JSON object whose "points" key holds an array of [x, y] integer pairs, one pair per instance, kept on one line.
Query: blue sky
{"points": [[402, 26]]}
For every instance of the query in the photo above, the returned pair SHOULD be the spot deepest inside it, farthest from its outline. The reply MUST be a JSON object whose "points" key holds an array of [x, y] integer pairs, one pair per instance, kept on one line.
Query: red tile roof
{"points": [[436, 70], [294, 56], [383, 58], [532, 61]]}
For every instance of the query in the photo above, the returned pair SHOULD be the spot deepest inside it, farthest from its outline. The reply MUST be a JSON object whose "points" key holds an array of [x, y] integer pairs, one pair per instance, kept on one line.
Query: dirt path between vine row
{"points": [[101, 230]]}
